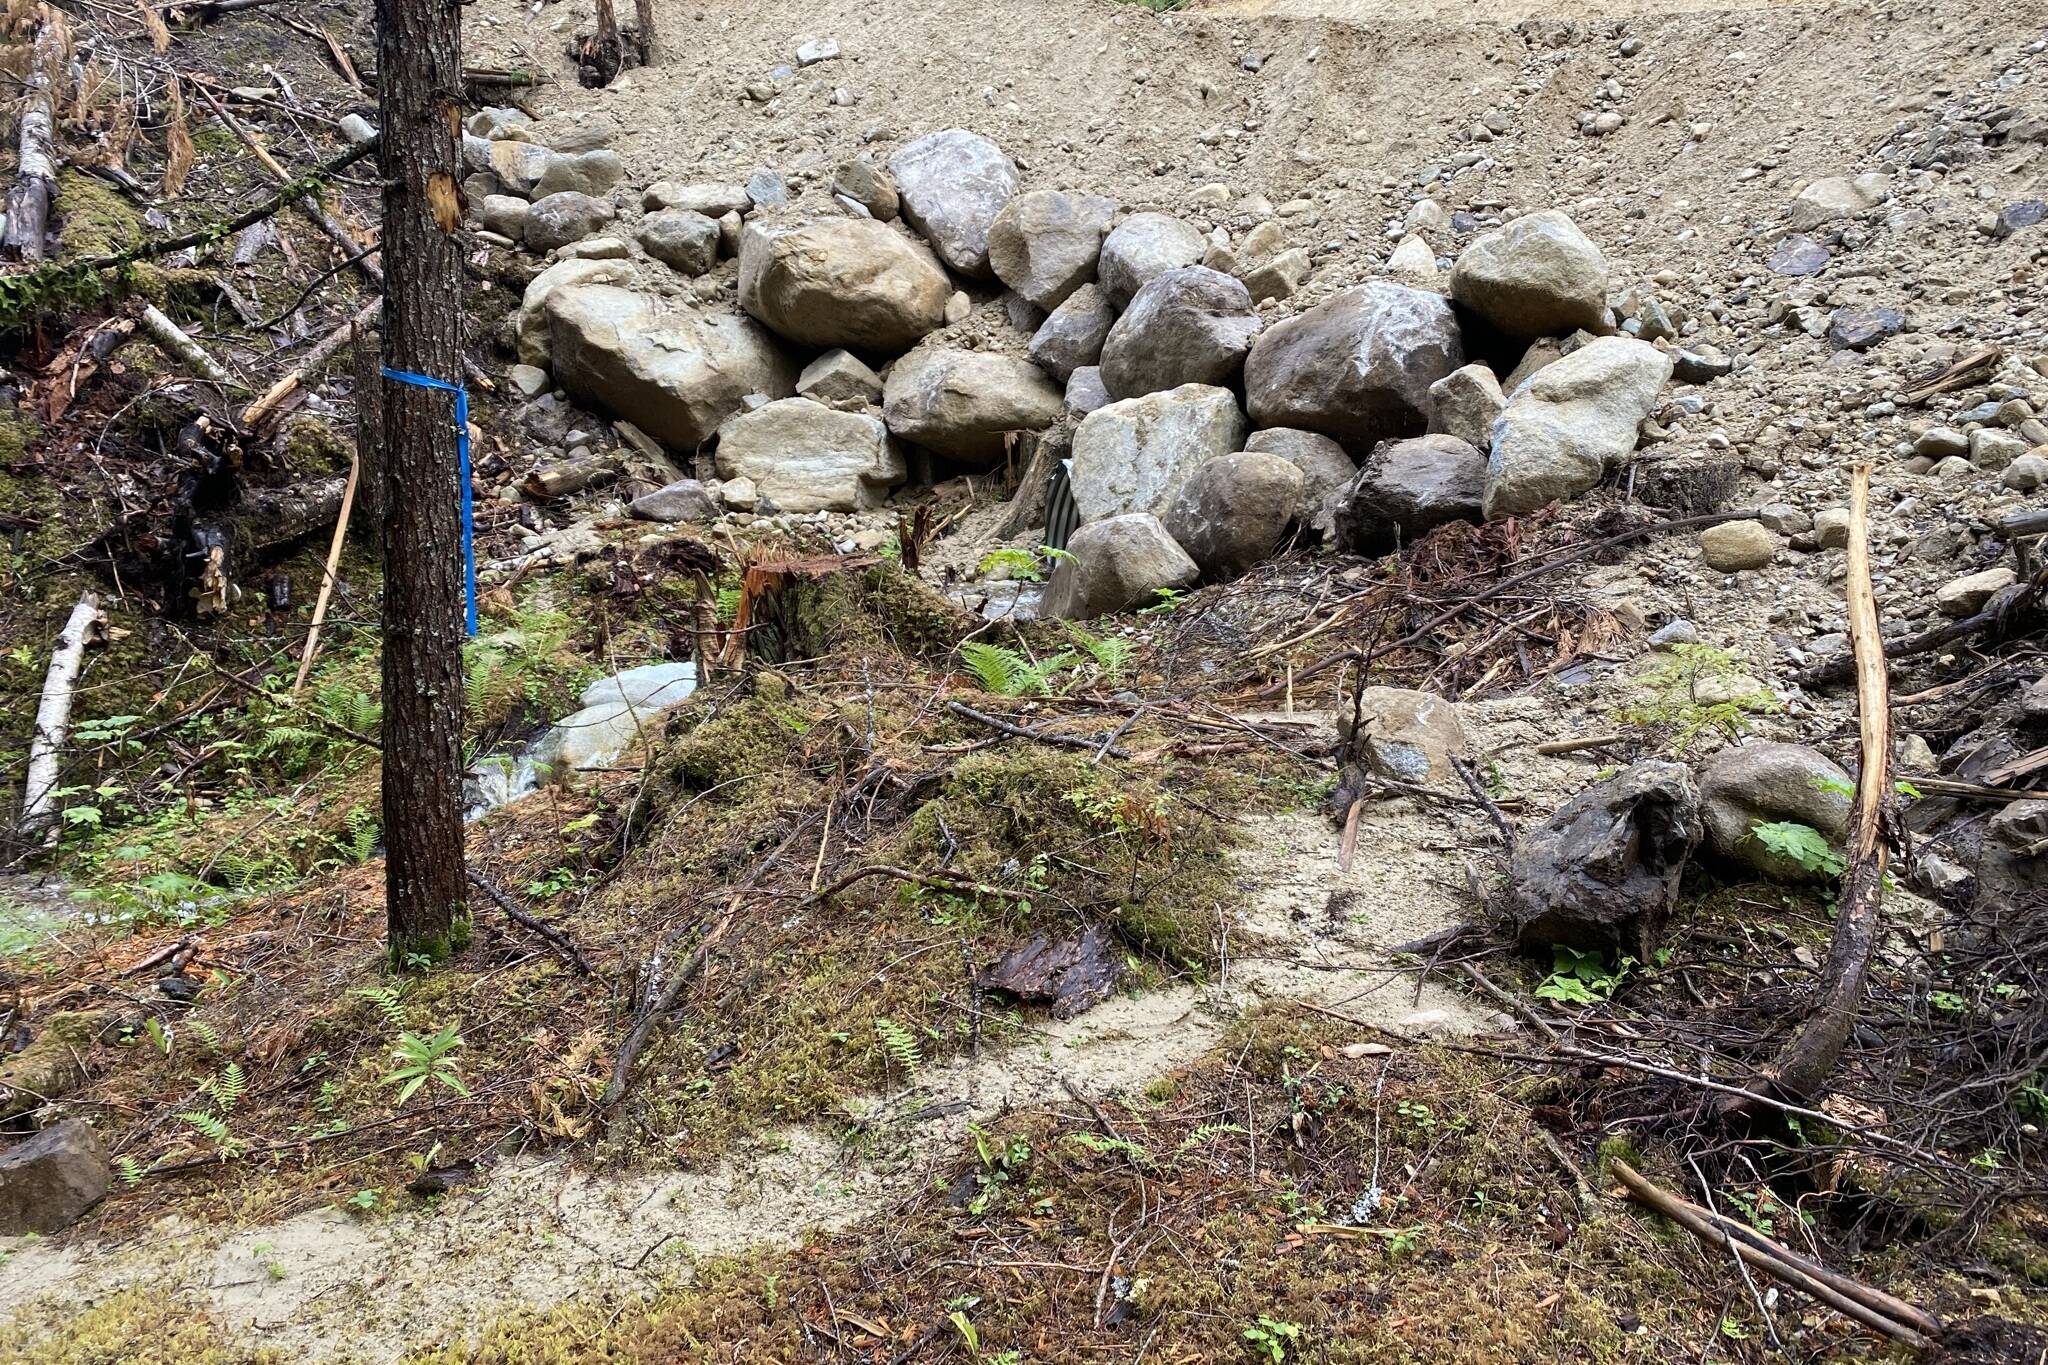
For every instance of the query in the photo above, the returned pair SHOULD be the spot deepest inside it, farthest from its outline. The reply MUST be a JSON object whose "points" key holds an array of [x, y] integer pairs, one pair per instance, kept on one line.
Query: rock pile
{"points": [[807, 349]]}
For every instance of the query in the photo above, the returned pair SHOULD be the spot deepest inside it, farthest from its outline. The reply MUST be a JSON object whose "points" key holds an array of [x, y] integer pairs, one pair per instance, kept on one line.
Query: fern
{"points": [[227, 1086], [215, 1129], [1112, 655], [901, 1045], [1007, 673], [130, 1169], [390, 1002], [363, 834], [204, 1032], [1202, 1134]]}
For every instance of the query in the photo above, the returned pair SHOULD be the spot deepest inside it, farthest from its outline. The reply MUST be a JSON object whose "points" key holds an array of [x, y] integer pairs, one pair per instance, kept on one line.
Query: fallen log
{"points": [[179, 346], [35, 181], [564, 477], [53, 720]]}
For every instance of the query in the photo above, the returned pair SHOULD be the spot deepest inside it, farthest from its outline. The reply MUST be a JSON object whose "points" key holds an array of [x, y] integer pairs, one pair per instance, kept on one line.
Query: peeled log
{"points": [[53, 720], [35, 184]]}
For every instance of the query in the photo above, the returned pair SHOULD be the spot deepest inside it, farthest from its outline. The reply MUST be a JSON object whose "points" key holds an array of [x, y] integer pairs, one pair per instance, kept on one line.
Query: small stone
{"points": [[1938, 443], [683, 500], [1736, 545], [1783, 519], [1797, 256], [868, 185], [767, 189], [817, 50], [530, 380], [1852, 329], [1968, 595], [1673, 633], [2026, 213], [958, 307], [1993, 449], [2025, 474], [357, 129]]}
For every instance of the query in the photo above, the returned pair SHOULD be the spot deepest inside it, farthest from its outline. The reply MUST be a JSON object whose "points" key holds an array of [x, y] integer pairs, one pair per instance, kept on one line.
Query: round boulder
{"points": [[952, 184], [1114, 565], [684, 241], [1044, 244], [1409, 488], [849, 282], [1231, 511], [1072, 334], [1537, 276], [1192, 325], [1326, 472], [1358, 368], [1746, 785], [959, 403], [563, 218], [1143, 246]]}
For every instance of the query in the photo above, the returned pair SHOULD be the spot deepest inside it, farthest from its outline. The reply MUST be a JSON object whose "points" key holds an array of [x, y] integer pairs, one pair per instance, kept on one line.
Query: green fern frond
{"points": [[901, 1045], [130, 1169], [389, 1000], [997, 668], [227, 1086]]}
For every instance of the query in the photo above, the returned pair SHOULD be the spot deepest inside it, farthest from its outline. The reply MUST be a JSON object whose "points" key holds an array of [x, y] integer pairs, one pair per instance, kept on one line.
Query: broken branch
{"points": [[53, 719]]}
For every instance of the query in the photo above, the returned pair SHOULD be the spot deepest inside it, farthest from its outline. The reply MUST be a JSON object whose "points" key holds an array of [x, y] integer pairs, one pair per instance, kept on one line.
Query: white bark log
{"points": [[179, 346], [53, 720]]}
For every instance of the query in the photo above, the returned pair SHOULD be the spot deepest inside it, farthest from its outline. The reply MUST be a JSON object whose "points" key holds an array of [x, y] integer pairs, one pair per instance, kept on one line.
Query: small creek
{"points": [[612, 713]]}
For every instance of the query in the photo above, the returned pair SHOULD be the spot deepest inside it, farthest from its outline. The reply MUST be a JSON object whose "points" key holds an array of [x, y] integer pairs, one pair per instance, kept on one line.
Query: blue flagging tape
{"points": [[462, 478]]}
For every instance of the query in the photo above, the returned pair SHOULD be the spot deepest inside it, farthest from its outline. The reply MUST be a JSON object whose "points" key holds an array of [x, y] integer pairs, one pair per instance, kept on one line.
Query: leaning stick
{"points": [[53, 719], [173, 339], [333, 566], [262, 408]]}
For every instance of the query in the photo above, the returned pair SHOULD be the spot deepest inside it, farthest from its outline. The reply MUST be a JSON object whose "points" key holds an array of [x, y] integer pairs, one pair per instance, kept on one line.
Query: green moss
{"points": [[139, 1325], [95, 219], [879, 608]]}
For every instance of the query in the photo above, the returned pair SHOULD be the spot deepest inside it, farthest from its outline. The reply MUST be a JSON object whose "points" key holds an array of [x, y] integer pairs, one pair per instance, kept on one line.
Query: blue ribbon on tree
{"points": [[462, 480]]}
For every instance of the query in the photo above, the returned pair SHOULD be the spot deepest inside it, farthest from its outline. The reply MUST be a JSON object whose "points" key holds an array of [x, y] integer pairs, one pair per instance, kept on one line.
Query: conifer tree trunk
{"points": [[419, 51]]}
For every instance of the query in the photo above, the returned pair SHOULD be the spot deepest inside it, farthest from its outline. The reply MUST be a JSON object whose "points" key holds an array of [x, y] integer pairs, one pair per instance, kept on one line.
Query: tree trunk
{"points": [[419, 89], [644, 12], [366, 346]]}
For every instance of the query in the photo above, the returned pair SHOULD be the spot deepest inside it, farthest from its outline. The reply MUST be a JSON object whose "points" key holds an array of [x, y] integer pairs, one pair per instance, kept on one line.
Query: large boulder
{"points": [[1746, 785], [1603, 871], [1072, 334], [1407, 489], [593, 172], [1114, 565], [1192, 325], [1466, 403], [1537, 276], [1575, 419], [674, 372], [848, 282], [959, 403], [530, 324], [953, 184], [48, 1181], [1132, 456], [1141, 248], [562, 218], [1357, 368], [811, 458], [1231, 511], [1044, 244], [1327, 471]]}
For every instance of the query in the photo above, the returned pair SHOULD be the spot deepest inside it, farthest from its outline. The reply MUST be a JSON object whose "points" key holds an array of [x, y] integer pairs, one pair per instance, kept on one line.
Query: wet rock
{"points": [[1141, 248], [686, 242], [838, 378], [1044, 244], [1073, 334], [1537, 276], [1764, 783], [952, 185], [530, 325], [811, 458], [959, 403], [683, 500], [848, 282], [1603, 871], [1970, 594], [1230, 512], [712, 199], [1187, 326], [868, 185], [1407, 735], [560, 219], [1466, 403], [50, 1180], [1358, 368], [1326, 473], [1132, 456], [594, 173], [674, 372], [1737, 545], [1407, 489], [1573, 421], [1116, 564]]}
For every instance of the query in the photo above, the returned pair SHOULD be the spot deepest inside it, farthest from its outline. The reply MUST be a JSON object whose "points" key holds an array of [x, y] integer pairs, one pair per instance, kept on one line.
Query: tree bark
{"points": [[643, 11], [35, 181], [419, 88]]}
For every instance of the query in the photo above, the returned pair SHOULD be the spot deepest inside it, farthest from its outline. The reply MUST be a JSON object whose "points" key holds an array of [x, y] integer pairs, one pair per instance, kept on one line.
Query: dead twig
{"points": [[556, 938], [997, 723]]}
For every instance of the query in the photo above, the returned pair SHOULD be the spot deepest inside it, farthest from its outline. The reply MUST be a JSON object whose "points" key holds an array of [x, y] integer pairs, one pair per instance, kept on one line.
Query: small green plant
{"points": [[900, 1044], [363, 1201], [426, 1059], [1164, 601], [1111, 654], [1692, 693], [131, 1171], [1007, 673], [1801, 844], [1581, 976], [1015, 563], [1271, 1339], [389, 1000]]}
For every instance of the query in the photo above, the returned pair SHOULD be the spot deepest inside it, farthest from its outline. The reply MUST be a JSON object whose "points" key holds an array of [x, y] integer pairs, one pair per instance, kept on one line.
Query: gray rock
{"points": [[1858, 329], [1798, 256], [530, 380], [1072, 335], [1466, 403], [1357, 368], [1673, 633], [1231, 511], [586, 134], [1085, 390], [815, 50], [681, 240], [1993, 449], [504, 214], [953, 184], [676, 373], [519, 166], [1045, 243], [1537, 276], [357, 129], [684, 500], [1938, 443], [1734, 546], [710, 198], [1408, 489], [960, 403], [559, 219], [1970, 594], [494, 121], [2023, 214], [593, 173], [1761, 783], [868, 185], [1142, 247], [2025, 474], [1193, 325], [811, 458], [1327, 473], [1114, 565], [1603, 871], [1408, 735], [1835, 197], [767, 189], [1132, 456], [1573, 421], [50, 1180], [838, 378], [846, 282], [530, 325]]}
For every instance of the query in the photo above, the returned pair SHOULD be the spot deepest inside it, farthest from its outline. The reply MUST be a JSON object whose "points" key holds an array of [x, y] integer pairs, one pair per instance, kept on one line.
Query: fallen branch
{"points": [[1895, 1319], [998, 724], [2009, 612], [260, 410], [179, 346], [1802, 1066], [53, 720], [556, 938], [328, 572]]}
